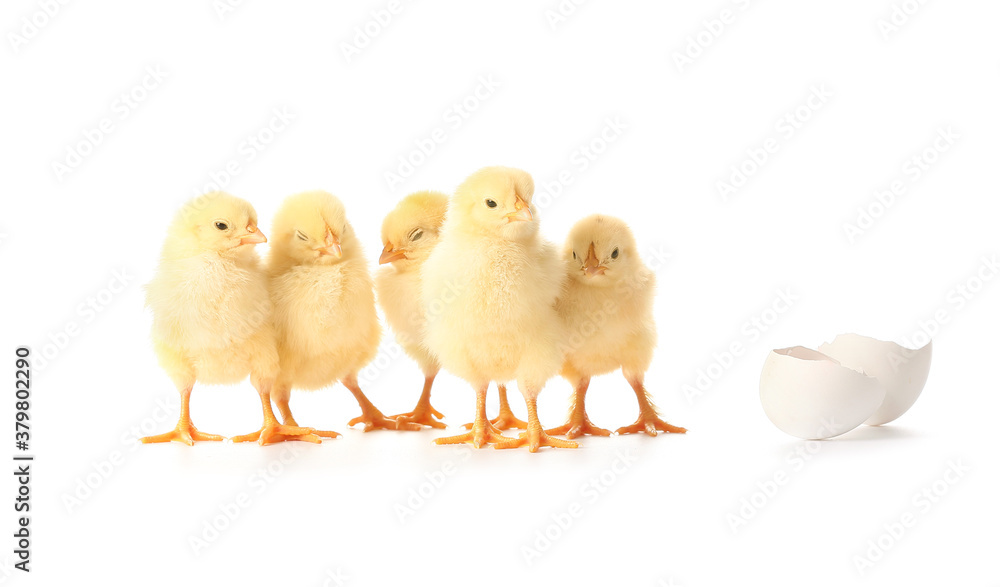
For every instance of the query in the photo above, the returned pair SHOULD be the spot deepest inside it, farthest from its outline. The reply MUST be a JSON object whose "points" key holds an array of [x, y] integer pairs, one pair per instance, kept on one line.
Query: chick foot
{"points": [[579, 424], [376, 421], [289, 420], [535, 437], [184, 432], [424, 413], [482, 431], [422, 416], [650, 423], [576, 428], [272, 433], [370, 416], [506, 420]]}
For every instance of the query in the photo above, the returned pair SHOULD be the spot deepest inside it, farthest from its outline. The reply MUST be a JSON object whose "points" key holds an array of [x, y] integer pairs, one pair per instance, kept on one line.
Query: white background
{"points": [[332, 510]]}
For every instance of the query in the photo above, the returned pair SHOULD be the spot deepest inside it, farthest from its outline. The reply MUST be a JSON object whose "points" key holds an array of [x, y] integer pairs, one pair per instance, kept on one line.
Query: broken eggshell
{"points": [[810, 395], [900, 370]]}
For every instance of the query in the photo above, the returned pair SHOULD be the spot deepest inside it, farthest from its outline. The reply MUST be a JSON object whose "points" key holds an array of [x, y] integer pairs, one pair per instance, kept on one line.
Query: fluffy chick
{"points": [[409, 233], [324, 304], [210, 304], [490, 287], [608, 311]]}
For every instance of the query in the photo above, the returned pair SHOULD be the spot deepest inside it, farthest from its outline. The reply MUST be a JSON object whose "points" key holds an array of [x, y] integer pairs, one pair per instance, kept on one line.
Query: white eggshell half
{"points": [[901, 371], [810, 395]]}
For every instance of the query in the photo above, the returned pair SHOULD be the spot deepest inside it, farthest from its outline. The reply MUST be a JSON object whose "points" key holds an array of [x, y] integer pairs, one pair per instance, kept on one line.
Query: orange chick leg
{"points": [[579, 424], [483, 431], [184, 431], [648, 421], [535, 436], [370, 416], [424, 413], [506, 419], [289, 420], [272, 431]]}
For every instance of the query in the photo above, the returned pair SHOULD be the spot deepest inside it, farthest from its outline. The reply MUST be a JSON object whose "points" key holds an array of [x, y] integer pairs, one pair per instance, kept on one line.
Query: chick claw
{"points": [[379, 422], [280, 433], [505, 421], [187, 434], [478, 437], [535, 438], [650, 424], [575, 429], [423, 416]]}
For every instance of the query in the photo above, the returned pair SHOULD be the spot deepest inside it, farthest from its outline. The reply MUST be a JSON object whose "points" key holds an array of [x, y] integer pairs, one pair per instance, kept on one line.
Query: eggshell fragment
{"points": [[900, 370], [812, 396]]}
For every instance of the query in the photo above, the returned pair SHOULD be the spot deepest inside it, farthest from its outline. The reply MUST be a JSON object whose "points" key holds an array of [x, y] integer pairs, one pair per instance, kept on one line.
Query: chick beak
{"points": [[521, 211], [254, 238], [390, 254], [591, 266], [332, 247]]}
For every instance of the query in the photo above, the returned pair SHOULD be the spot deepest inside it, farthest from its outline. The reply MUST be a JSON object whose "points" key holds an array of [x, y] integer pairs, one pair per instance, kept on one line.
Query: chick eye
{"points": [[574, 254], [222, 226], [416, 235], [301, 236], [614, 254], [491, 203]]}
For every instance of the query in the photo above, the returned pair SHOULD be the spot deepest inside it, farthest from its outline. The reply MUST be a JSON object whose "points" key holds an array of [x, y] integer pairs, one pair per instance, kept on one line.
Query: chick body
{"points": [[607, 308], [324, 304], [210, 304], [489, 294]]}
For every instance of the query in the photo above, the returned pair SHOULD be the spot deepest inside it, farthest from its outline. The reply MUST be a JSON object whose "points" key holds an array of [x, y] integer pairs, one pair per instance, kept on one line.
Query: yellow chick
{"points": [[409, 233], [489, 293], [608, 311], [211, 309], [324, 304]]}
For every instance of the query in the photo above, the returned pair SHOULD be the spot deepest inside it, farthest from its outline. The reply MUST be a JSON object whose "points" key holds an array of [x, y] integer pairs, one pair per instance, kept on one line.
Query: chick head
{"points": [[217, 222], [600, 250], [312, 228], [496, 201], [410, 230]]}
